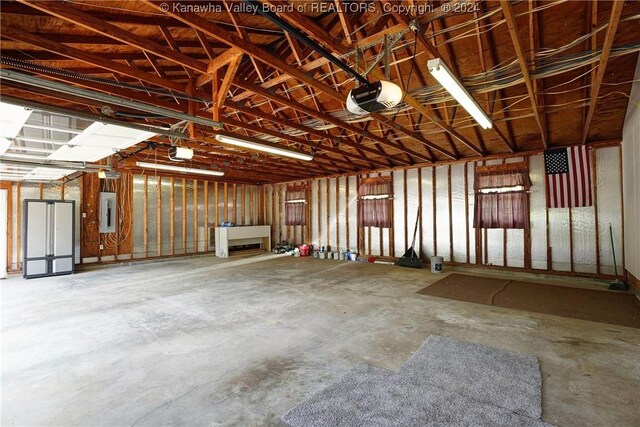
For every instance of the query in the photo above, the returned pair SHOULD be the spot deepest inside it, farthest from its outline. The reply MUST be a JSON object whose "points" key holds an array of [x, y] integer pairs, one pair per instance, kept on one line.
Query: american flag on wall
{"points": [[568, 172]]}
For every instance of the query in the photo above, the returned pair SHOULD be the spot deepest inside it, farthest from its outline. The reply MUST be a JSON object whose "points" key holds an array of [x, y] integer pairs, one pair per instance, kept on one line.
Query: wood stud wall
{"points": [[320, 217]]}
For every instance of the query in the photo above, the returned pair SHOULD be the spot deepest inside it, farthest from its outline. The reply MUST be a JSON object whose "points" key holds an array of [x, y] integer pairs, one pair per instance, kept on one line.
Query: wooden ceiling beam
{"points": [[89, 58], [218, 33], [11, 7], [88, 39], [344, 21], [614, 19], [84, 20], [522, 60], [166, 33], [242, 32], [227, 80], [296, 18], [229, 56], [509, 140]]}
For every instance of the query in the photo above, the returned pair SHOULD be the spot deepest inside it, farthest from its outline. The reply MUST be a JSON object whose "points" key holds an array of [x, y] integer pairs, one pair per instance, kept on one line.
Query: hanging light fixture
{"points": [[267, 148], [172, 168], [448, 81]]}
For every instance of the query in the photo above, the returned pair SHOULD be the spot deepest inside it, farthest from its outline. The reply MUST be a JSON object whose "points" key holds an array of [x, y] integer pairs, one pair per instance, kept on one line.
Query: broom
{"points": [[616, 285], [410, 257]]}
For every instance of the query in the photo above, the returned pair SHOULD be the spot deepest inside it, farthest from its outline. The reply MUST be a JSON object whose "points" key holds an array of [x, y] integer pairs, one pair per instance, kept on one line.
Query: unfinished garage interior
{"points": [[320, 213]]}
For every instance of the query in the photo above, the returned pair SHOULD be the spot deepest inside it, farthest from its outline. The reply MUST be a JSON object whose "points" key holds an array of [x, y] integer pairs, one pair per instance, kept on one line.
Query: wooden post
{"points": [[206, 216], [172, 226], [195, 216], [450, 205], [145, 236], [184, 216], [159, 216], [435, 217], [466, 212], [594, 185]]}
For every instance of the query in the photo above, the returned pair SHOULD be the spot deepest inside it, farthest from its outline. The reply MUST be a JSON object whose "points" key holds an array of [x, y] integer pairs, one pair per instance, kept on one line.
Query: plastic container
{"points": [[436, 264]]}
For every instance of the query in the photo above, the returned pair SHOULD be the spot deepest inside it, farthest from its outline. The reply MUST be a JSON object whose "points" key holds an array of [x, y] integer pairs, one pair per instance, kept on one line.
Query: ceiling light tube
{"points": [[263, 147], [160, 166], [455, 88]]}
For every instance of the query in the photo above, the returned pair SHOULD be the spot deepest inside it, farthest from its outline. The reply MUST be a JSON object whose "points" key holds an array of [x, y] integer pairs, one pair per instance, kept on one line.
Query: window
{"points": [[374, 202], [295, 205], [501, 199]]}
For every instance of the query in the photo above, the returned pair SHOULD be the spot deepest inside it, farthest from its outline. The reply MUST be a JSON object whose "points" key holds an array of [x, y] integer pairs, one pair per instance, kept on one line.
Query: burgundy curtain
{"points": [[294, 205], [294, 213], [501, 210], [375, 212]]}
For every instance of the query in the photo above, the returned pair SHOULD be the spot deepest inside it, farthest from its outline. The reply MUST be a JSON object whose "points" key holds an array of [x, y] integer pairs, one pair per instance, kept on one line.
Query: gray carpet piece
{"points": [[370, 396], [502, 378]]}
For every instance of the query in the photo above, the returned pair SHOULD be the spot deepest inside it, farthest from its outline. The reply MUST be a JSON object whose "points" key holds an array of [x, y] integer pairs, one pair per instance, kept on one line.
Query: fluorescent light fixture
{"points": [[263, 147], [4, 145], [160, 166], [12, 118], [99, 141], [455, 88]]}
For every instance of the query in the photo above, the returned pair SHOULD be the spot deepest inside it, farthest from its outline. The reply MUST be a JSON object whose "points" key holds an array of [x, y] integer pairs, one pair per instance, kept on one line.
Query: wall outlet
{"points": [[84, 214], [101, 247]]}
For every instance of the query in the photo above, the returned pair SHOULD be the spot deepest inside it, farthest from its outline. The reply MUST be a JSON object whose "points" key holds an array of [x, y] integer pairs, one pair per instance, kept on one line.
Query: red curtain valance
{"points": [[375, 186], [507, 175], [296, 192]]}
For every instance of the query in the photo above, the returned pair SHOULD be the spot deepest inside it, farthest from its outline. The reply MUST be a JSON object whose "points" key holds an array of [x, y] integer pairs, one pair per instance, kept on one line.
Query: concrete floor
{"points": [[204, 341]]}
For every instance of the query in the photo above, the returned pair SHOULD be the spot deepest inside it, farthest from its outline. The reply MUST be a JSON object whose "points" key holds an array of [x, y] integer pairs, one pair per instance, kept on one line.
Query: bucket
{"points": [[436, 264]]}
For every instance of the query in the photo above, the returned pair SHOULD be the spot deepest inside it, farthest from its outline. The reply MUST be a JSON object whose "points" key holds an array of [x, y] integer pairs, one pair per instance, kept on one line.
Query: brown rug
{"points": [[616, 308]]}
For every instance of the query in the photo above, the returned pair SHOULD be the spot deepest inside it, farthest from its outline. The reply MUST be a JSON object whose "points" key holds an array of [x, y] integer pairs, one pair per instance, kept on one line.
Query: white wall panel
{"points": [[584, 239], [353, 213], [631, 170], [458, 213], [139, 250], [427, 212], [537, 207], [472, 203], [152, 215], [559, 239], [315, 233], [398, 212], [332, 215], [412, 208], [609, 207], [442, 213], [342, 214]]}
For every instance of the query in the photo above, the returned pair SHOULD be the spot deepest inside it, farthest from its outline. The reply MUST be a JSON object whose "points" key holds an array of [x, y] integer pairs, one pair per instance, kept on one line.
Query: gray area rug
{"points": [[491, 387], [502, 378]]}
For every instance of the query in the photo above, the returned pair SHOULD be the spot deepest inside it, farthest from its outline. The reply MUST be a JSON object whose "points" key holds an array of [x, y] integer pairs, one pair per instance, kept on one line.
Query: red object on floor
{"points": [[371, 259], [304, 250]]}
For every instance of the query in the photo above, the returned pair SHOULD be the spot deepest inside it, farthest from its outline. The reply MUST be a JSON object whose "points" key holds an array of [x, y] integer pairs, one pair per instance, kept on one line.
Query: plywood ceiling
{"points": [[576, 58]]}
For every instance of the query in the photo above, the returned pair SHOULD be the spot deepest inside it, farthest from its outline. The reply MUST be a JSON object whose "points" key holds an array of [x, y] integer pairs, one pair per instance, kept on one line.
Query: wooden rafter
{"points": [[89, 58], [311, 28], [99, 26], [166, 33], [344, 21], [515, 39], [614, 19]]}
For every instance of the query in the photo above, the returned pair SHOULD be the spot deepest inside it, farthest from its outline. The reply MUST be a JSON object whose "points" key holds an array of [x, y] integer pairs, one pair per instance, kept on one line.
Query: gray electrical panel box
{"points": [[48, 238], [108, 212]]}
